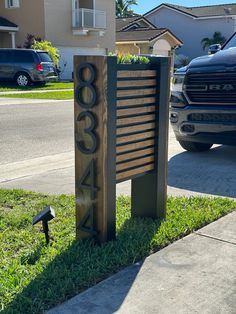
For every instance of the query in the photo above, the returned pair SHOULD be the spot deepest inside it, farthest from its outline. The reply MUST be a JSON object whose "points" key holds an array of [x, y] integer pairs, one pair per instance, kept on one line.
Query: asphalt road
{"points": [[37, 154], [33, 130]]}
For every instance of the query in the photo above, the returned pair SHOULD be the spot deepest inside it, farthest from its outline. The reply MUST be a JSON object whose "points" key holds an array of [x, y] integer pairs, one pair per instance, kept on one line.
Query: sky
{"points": [[147, 5]]}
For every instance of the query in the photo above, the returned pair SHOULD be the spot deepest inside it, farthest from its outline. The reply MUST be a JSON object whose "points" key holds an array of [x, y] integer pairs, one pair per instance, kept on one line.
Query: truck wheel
{"points": [[22, 79], [194, 146]]}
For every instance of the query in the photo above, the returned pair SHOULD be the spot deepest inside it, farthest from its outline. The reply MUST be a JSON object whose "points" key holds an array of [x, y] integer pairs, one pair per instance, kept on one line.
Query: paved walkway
{"points": [[196, 274]]}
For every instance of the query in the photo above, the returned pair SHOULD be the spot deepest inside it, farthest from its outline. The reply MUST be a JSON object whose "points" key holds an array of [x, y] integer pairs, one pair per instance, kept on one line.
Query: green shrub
{"points": [[47, 46], [130, 59]]}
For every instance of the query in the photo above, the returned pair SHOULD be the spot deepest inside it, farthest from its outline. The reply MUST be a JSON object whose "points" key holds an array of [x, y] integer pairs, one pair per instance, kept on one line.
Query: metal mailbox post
{"points": [[121, 133]]}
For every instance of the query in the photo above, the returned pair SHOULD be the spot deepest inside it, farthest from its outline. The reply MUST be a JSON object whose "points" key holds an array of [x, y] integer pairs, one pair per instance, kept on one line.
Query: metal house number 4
{"points": [[86, 82]]}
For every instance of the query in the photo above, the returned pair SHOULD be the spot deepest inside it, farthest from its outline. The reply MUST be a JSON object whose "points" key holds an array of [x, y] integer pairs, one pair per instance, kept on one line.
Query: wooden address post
{"points": [[121, 133]]}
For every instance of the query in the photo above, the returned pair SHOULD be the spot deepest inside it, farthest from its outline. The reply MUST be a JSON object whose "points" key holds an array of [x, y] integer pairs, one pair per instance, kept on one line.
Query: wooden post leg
{"points": [[144, 201], [95, 118]]}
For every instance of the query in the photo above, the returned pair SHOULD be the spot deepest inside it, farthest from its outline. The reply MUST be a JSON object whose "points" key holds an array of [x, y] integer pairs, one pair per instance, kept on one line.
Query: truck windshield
{"points": [[231, 43]]}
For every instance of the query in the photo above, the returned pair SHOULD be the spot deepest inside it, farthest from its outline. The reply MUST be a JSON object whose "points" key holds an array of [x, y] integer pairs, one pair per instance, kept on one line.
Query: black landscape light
{"points": [[45, 216]]}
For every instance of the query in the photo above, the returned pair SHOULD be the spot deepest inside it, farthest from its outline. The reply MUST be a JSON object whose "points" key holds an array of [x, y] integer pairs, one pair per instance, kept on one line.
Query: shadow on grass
{"points": [[84, 264]]}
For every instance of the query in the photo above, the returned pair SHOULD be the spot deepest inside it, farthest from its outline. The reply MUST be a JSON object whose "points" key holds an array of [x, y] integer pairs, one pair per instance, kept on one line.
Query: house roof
{"points": [[124, 23], [144, 35], [140, 35], [202, 11], [139, 29], [6, 23]]}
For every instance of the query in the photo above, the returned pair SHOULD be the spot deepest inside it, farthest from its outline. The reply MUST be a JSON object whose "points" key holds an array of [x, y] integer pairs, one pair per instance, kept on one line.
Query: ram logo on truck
{"points": [[223, 87]]}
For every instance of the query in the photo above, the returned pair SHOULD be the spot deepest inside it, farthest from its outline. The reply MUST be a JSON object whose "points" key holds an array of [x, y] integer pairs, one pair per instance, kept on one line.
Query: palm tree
{"points": [[216, 39], [123, 8]]}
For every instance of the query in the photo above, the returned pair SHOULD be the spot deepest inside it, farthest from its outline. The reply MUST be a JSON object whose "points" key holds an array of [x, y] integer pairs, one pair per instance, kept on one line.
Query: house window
{"points": [[12, 4]]}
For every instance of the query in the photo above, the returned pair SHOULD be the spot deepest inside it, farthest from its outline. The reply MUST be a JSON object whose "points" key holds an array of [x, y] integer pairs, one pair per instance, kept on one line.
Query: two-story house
{"points": [[192, 24], [85, 27]]}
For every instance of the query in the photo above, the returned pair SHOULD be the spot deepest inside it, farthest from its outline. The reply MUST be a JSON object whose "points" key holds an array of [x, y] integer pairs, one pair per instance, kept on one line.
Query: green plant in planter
{"points": [[130, 59]]}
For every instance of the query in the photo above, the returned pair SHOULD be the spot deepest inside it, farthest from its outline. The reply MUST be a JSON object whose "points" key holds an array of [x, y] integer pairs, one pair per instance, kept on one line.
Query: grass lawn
{"points": [[47, 95], [34, 277], [7, 87]]}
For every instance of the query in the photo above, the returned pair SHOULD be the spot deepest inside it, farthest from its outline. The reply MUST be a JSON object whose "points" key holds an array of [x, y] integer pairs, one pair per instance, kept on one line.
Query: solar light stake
{"points": [[46, 231], [45, 216]]}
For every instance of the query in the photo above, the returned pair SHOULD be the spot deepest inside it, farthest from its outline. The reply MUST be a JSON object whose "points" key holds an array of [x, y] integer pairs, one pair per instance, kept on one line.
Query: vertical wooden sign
{"points": [[121, 133], [95, 170]]}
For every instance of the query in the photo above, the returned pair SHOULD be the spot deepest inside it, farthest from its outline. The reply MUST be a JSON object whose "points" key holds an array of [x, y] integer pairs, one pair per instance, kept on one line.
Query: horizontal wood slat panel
{"points": [[140, 83], [135, 137], [136, 92], [136, 128], [133, 102], [139, 73], [137, 154], [133, 146], [125, 121], [131, 111], [130, 173], [134, 163]]}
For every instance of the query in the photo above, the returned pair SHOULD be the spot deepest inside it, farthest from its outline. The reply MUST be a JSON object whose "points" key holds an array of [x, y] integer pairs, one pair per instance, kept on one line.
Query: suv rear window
{"points": [[44, 57], [4, 56], [23, 56]]}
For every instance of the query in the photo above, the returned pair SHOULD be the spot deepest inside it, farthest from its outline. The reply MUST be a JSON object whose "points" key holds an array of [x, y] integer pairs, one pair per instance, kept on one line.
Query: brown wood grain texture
{"points": [[135, 137], [123, 176], [136, 101], [137, 162], [136, 128], [138, 119], [136, 154], [135, 111], [136, 92], [139, 73], [136, 83], [135, 146], [83, 197]]}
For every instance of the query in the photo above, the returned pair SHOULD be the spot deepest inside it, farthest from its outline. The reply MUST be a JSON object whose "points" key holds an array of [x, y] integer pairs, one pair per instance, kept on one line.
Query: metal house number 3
{"points": [[87, 83]]}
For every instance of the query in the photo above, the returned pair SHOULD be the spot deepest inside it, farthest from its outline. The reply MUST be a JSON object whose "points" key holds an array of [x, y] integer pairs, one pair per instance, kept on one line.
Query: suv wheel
{"points": [[22, 79], [195, 147]]}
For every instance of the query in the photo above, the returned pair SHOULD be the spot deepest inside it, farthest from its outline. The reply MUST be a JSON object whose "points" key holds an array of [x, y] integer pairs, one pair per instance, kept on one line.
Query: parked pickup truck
{"points": [[203, 100]]}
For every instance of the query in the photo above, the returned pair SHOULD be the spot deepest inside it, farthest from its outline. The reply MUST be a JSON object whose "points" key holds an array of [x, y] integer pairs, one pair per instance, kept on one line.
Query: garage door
{"points": [[66, 60]]}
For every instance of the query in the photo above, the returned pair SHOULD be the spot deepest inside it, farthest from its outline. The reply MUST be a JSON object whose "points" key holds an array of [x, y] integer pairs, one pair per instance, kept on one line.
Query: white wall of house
{"points": [[191, 31], [161, 47], [67, 54], [58, 25], [60, 31]]}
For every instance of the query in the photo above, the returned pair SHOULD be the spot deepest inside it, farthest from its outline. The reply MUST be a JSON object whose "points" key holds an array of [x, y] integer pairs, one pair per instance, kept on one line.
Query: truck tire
{"points": [[22, 79], [194, 146]]}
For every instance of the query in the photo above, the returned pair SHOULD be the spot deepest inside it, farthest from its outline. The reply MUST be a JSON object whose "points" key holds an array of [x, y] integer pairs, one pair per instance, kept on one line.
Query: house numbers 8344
{"points": [[86, 98]]}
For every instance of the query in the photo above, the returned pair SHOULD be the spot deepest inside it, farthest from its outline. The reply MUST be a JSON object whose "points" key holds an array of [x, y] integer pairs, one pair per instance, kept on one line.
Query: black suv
{"points": [[203, 100], [26, 66]]}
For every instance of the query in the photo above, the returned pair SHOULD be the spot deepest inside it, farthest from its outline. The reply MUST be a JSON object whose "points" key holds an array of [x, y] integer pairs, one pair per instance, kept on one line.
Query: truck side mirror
{"points": [[214, 48]]}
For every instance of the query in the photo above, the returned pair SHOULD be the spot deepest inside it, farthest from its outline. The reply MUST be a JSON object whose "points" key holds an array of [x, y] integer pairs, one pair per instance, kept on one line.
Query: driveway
{"points": [[37, 154], [212, 172]]}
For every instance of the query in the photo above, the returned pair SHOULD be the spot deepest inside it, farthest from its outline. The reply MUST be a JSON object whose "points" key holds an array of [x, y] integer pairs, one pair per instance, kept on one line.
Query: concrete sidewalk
{"points": [[6, 101], [196, 274], [35, 91]]}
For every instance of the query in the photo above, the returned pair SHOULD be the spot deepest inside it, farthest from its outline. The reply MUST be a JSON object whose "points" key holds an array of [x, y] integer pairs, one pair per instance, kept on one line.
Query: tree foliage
{"points": [[217, 38], [47, 46], [181, 61], [123, 8], [30, 39]]}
